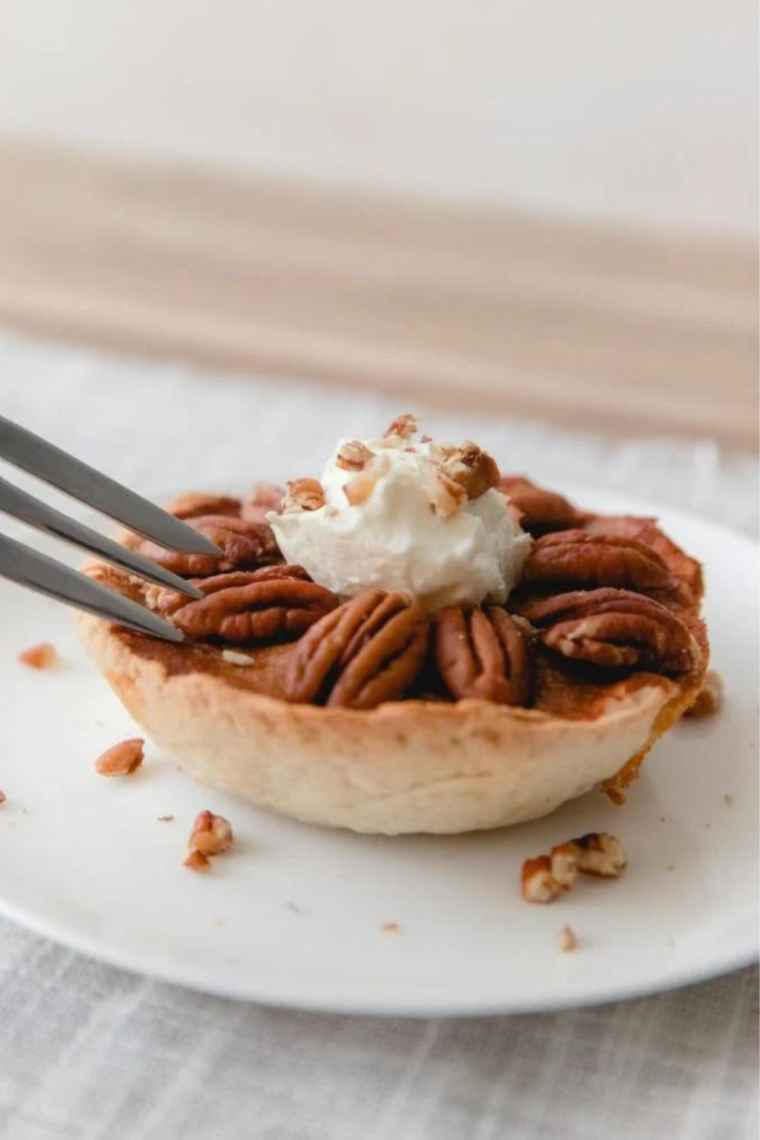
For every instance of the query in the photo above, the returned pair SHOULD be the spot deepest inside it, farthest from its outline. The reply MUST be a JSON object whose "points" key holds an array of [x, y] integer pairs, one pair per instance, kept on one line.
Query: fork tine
{"points": [[29, 568], [42, 459], [20, 505]]}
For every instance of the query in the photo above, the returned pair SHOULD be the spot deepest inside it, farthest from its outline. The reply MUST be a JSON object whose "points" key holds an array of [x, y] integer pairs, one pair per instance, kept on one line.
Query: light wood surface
{"points": [[601, 328]]}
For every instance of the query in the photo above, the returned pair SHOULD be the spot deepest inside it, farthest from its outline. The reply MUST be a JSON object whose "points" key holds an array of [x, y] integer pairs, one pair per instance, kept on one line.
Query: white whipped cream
{"points": [[395, 540]]}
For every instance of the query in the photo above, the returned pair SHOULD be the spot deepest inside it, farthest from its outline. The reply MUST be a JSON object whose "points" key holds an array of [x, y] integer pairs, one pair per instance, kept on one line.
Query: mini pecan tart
{"points": [[413, 642]]}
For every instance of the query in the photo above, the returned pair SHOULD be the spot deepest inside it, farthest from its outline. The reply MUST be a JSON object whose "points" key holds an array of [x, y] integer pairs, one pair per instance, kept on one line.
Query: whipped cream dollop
{"points": [[396, 516]]}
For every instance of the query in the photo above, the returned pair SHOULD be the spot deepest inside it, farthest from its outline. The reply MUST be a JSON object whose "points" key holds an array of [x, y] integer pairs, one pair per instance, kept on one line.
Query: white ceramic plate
{"points": [[294, 915]]}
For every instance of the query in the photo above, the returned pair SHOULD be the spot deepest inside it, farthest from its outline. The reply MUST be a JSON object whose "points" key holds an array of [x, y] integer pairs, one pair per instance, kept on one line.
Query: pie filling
{"points": [[417, 571]]}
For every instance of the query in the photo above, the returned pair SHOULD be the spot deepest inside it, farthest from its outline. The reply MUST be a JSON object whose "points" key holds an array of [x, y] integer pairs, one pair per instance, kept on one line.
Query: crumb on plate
{"points": [[43, 656]]}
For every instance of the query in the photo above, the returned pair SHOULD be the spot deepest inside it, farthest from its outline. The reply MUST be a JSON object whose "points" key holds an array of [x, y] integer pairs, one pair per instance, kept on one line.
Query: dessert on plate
{"points": [[413, 642]]}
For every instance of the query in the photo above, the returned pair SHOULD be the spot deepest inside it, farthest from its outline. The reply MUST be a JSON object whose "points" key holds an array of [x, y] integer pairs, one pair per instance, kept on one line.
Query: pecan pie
{"points": [[412, 643]]}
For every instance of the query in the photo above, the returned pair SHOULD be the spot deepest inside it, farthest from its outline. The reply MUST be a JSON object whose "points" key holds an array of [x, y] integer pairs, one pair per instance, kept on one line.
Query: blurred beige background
{"points": [[540, 209]]}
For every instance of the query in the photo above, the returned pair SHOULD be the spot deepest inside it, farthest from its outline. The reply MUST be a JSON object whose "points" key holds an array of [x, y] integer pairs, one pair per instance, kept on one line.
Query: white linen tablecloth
{"points": [[88, 1052]]}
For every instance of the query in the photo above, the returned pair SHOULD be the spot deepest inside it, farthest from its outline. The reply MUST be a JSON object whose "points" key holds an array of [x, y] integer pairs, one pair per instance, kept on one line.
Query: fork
{"points": [[27, 567]]}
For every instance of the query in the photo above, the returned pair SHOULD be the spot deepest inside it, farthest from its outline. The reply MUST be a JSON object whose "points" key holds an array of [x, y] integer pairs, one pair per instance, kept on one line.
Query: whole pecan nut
{"points": [[367, 651], [266, 610], [540, 511], [166, 601], [243, 544], [577, 558], [260, 500], [482, 654], [615, 629]]}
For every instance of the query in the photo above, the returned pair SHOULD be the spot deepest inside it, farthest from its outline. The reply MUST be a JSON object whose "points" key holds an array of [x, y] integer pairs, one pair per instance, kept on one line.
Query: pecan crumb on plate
{"points": [[122, 759], [164, 818], [43, 656], [728, 800], [211, 834], [2, 797], [546, 876], [567, 939], [389, 928]]}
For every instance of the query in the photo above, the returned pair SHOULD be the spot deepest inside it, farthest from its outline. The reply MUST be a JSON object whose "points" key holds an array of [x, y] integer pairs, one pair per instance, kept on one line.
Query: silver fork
{"points": [[29, 568]]}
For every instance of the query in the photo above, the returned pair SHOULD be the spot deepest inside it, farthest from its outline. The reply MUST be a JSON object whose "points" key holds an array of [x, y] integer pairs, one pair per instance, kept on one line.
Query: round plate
{"points": [[328, 920]]}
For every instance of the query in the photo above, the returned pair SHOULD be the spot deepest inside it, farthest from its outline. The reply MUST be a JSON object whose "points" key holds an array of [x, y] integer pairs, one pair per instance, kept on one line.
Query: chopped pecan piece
{"points": [[260, 500], [600, 854], [303, 495], [354, 456], [482, 654], [577, 558], [615, 629], [537, 882], [404, 426], [567, 939], [367, 651], [541, 511], [710, 697], [472, 468], [211, 834], [43, 656], [358, 489], [276, 607], [446, 495], [195, 504], [121, 759], [243, 544]]}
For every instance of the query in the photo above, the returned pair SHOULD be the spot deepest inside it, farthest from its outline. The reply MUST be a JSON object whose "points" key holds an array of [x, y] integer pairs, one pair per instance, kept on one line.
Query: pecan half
{"points": [[615, 629], [541, 511], [353, 456], [577, 558], [194, 504], [482, 654], [367, 651], [303, 495], [472, 468], [265, 610], [166, 602], [243, 544], [260, 500]]}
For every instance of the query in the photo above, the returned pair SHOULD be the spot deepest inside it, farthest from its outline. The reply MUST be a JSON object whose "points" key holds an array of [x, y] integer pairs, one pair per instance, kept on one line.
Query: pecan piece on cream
{"points": [[260, 500], [472, 468], [303, 495], [404, 426], [267, 609], [540, 511], [577, 558], [482, 654], [243, 544], [445, 494], [353, 456], [615, 629], [367, 651], [359, 488], [195, 504]]}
